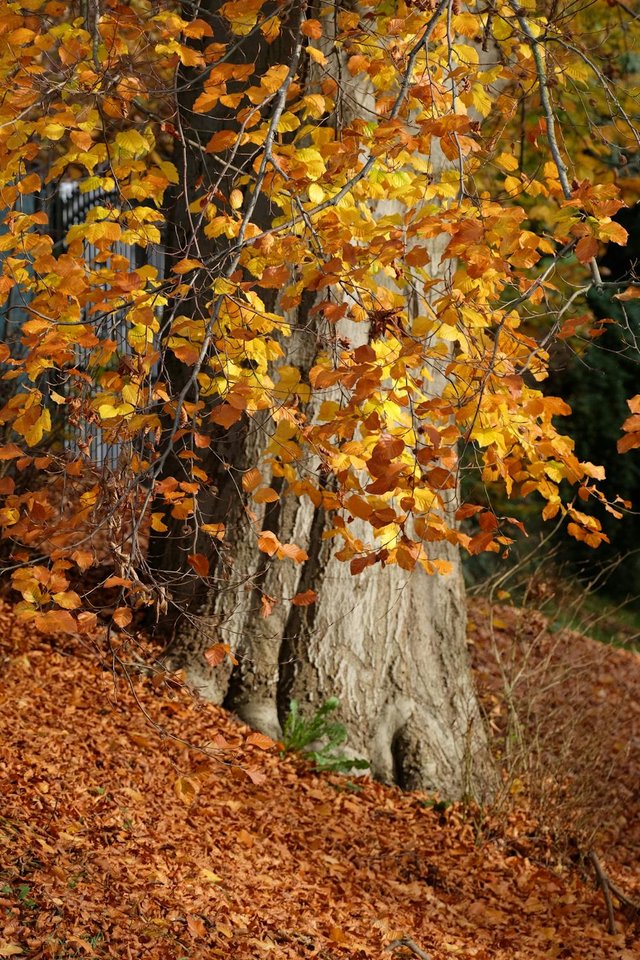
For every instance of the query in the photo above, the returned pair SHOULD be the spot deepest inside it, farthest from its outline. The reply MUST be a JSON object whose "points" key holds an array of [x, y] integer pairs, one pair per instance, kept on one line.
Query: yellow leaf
{"points": [[107, 411], [242, 15], [53, 131], [274, 77], [507, 161], [210, 876], [34, 433], [288, 123], [317, 55], [68, 600], [313, 161], [186, 265], [216, 530], [157, 523], [187, 789], [132, 142]]}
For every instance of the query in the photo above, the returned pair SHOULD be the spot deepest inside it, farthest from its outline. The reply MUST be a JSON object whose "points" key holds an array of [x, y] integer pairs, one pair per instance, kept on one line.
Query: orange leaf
{"points": [[87, 621], [305, 599], [216, 654], [225, 415], [358, 564], [68, 600], [266, 495], [586, 249], [256, 776], [122, 616], [55, 621], [222, 140], [631, 293], [196, 927], [292, 552], [312, 29], [268, 543], [185, 265], [10, 451], [261, 740], [267, 604], [251, 480], [83, 558], [116, 582], [216, 530], [199, 563]]}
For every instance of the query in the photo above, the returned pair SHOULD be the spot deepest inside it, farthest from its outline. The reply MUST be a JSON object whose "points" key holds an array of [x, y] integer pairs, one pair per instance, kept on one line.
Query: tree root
{"points": [[608, 888]]}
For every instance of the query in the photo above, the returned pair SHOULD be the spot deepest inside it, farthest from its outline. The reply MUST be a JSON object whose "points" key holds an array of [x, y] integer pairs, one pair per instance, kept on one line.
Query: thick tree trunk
{"points": [[389, 644]]}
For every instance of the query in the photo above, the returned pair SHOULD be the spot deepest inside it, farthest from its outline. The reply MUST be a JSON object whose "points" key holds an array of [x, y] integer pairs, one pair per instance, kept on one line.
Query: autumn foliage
{"points": [[425, 246], [118, 839]]}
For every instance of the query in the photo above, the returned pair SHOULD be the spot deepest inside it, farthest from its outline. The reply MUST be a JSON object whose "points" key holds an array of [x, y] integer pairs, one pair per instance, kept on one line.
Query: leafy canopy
{"points": [[412, 191]]}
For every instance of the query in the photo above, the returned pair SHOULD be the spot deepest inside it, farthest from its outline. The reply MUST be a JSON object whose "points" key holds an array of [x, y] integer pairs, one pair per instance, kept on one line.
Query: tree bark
{"points": [[389, 644]]}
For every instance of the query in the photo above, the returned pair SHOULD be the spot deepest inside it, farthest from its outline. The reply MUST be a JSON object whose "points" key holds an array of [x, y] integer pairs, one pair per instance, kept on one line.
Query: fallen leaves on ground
{"points": [[574, 710], [119, 838]]}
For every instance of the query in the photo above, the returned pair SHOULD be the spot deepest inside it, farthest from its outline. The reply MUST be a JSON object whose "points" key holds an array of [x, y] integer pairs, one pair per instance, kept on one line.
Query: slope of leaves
{"points": [[118, 842], [568, 730]]}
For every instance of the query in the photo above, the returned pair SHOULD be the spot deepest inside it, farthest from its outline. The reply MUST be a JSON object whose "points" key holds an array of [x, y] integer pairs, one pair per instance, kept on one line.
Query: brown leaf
{"points": [[586, 249]]}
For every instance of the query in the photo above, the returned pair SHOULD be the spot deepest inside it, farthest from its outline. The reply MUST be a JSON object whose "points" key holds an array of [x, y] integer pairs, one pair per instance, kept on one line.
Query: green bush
{"points": [[319, 738]]}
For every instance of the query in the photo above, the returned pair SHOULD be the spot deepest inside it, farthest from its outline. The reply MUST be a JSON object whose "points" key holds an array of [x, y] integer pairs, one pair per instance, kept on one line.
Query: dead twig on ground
{"points": [[410, 945], [609, 888], [603, 880]]}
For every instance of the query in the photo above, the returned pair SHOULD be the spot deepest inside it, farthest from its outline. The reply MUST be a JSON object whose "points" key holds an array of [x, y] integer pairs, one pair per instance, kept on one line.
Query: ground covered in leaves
{"points": [[118, 838]]}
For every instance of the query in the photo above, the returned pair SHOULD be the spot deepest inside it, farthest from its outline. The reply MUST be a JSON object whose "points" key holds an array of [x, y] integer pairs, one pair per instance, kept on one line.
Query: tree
{"points": [[364, 271]]}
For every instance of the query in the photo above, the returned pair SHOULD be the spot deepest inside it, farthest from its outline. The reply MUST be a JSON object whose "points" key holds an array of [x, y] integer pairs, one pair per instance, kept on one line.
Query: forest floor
{"points": [[120, 837]]}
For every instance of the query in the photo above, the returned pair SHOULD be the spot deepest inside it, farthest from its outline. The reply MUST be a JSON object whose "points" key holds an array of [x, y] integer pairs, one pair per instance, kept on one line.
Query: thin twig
{"points": [[550, 120], [410, 945]]}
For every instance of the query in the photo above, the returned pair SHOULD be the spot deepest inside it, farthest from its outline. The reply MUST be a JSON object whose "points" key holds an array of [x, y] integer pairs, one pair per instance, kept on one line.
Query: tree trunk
{"points": [[390, 645]]}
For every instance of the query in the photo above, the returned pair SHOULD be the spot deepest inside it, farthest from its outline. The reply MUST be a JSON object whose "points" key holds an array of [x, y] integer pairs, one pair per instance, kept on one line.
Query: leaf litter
{"points": [[121, 837]]}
